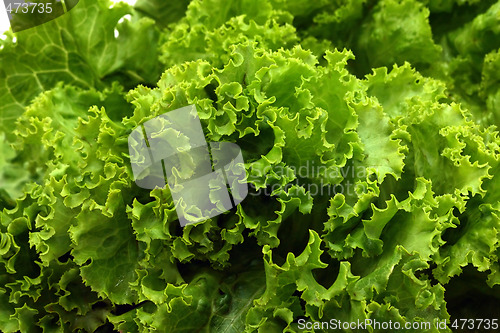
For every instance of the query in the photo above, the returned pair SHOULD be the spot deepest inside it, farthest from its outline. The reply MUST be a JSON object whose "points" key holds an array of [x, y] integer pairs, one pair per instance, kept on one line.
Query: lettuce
{"points": [[370, 135]]}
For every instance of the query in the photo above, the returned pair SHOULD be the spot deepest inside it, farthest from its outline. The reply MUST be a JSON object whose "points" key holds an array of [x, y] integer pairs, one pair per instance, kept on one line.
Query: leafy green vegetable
{"points": [[370, 135]]}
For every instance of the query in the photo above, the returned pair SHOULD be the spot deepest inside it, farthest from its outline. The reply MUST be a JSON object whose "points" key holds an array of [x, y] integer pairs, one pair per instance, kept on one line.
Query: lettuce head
{"points": [[369, 131]]}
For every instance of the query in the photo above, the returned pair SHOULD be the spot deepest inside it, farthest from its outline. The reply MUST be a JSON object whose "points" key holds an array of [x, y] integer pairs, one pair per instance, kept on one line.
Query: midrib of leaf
{"points": [[259, 291]]}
